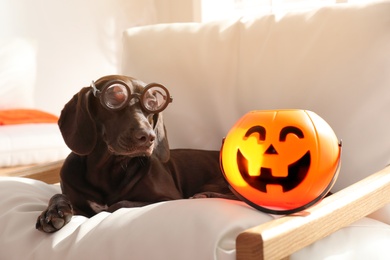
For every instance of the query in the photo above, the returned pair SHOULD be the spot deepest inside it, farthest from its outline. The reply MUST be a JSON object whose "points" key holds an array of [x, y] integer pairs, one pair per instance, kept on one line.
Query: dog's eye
{"points": [[151, 104], [152, 100], [115, 96]]}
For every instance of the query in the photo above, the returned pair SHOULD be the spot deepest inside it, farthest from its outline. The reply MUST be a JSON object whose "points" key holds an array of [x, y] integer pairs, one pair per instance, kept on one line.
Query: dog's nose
{"points": [[144, 137]]}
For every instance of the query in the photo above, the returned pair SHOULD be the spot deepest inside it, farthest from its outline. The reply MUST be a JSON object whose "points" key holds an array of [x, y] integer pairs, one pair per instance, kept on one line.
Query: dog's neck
{"points": [[101, 160]]}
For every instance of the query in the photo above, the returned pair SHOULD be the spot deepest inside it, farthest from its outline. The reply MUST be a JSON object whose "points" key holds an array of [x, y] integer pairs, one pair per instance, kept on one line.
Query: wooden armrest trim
{"points": [[49, 172], [281, 237]]}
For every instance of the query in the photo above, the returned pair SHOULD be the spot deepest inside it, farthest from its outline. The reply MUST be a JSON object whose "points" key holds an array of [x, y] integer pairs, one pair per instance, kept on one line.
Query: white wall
{"points": [[171, 11], [77, 41]]}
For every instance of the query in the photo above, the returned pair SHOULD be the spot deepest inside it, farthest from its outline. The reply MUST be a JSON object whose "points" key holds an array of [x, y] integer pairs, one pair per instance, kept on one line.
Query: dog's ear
{"points": [[162, 147], [76, 124]]}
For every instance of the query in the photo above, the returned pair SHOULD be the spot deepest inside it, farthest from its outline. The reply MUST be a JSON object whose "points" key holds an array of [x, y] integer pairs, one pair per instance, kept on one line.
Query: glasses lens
{"points": [[155, 99], [115, 96]]}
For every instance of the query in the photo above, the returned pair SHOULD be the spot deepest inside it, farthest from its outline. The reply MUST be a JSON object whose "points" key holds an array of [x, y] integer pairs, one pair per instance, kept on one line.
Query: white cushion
{"points": [[362, 240], [25, 144], [181, 229], [334, 61]]}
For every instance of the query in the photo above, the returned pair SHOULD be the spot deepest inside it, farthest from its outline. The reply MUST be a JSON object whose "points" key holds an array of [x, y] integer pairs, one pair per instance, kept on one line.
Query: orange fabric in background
{"points": [[25, 116]]}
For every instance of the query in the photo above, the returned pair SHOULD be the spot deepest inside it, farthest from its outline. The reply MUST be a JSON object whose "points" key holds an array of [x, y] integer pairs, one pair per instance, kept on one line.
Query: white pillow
{"points": [[334, 61]]}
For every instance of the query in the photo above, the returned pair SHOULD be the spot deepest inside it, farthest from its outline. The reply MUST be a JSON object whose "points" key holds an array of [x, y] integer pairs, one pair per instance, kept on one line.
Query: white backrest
{"points": [[334, 61]]}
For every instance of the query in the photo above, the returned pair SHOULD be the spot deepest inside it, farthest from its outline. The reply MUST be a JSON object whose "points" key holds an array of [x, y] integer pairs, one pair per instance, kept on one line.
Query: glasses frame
{"points": [[100, 94]]}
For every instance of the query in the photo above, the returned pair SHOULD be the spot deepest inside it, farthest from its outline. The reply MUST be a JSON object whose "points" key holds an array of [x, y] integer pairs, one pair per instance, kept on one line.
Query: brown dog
{"points": [[120, 155]]}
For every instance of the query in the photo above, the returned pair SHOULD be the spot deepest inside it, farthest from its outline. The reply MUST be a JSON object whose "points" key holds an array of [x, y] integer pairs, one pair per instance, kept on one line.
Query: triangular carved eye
{"points": [[271, 150]]}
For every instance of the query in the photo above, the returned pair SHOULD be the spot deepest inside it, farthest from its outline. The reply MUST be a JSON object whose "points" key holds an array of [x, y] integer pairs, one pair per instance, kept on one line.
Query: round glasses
{"points": [[115, 95]]}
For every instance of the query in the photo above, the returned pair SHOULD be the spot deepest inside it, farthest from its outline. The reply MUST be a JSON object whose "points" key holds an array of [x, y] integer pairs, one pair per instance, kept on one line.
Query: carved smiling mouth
{"points": [[297, 172]]}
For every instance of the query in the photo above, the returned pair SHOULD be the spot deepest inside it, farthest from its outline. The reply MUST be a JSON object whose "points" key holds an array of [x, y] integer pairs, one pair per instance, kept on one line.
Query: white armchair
{"points": [[334, 61]]}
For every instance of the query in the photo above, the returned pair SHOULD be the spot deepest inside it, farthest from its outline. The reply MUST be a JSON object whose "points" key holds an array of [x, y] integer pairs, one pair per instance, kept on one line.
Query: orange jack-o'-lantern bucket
{"points": [[281, 161]]}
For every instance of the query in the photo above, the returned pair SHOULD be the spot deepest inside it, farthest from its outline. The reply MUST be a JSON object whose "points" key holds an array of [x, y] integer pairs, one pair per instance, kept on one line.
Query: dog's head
{"points": [[120, 111]]}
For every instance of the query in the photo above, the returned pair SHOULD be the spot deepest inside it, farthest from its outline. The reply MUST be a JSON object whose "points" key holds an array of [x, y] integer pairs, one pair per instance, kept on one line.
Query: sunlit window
{"points": [[224, 9]]}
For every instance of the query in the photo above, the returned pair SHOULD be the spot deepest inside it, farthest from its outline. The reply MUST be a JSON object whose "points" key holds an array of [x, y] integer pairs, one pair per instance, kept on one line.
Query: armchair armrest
{"points": [[273, 240]]}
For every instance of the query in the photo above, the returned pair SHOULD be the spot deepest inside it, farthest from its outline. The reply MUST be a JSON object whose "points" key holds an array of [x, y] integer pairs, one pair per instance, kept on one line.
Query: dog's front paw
{"points": [[58, 214]]}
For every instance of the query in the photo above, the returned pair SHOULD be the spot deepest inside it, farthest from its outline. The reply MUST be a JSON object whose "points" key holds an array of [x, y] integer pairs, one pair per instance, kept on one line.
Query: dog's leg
{"points": [[58, 214], [210, 194]]}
